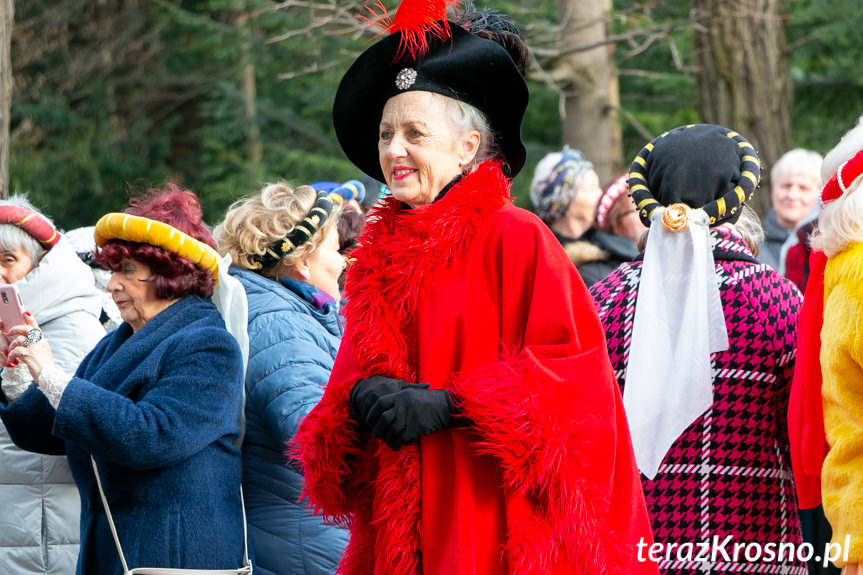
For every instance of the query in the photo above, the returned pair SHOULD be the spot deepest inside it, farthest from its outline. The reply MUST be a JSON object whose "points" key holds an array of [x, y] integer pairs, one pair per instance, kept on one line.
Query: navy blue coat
{"points": [[159, 410], [292, 346]]}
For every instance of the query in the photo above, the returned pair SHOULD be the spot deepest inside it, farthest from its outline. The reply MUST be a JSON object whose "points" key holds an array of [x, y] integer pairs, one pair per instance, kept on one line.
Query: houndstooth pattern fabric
{"points": [[729, 473]]}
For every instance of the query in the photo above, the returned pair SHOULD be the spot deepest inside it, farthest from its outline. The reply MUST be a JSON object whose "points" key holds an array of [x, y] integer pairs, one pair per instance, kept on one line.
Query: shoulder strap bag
{"points": [[246, 569]]}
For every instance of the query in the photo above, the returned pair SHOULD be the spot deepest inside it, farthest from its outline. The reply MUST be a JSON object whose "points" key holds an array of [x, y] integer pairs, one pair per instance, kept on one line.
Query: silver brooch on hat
{"points": [[406, 78]]}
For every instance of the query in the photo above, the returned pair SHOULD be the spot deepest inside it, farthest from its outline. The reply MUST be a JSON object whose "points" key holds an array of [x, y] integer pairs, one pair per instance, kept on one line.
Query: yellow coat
{"points": [[842, 396]]}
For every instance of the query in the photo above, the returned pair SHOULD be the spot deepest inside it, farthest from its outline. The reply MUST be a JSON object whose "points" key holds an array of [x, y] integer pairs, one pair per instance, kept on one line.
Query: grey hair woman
{"points": [[467, 332]]}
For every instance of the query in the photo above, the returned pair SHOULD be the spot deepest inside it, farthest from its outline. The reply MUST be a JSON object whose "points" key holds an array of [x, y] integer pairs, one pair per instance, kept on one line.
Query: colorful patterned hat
{"points": [[555, 183], [350, 190]]}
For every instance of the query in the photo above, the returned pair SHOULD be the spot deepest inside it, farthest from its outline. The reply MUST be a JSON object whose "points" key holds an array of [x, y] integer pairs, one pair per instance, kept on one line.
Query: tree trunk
{"points": [[254, 151], [744, 82], [591, 93], [7, 17]]}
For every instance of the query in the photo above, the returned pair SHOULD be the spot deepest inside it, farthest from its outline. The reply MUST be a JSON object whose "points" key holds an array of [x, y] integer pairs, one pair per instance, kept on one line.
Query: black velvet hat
{"points": [[701, 165], [460, 65]]}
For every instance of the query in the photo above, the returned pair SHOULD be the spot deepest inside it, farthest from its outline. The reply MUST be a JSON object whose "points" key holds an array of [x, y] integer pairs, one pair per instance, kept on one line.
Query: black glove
{"points": [[403, 417], [366, 392]]}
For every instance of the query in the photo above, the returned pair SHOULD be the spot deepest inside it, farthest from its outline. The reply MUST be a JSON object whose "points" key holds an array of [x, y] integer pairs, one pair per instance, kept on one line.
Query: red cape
{"points": [[805, 408], [476, 296]]}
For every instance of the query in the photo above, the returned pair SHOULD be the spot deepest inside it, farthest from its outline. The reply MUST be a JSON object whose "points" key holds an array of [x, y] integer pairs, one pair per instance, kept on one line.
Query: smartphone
{"points": [[11, 306]]}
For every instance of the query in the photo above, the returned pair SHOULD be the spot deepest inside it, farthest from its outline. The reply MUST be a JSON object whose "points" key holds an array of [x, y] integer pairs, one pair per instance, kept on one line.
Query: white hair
{"points": [[463, 118], [841, 221], [13, 237], [798, 161]]}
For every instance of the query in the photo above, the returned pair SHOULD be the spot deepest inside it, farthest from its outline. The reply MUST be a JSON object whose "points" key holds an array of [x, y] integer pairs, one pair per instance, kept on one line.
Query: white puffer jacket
{"points": [[39, 525]]}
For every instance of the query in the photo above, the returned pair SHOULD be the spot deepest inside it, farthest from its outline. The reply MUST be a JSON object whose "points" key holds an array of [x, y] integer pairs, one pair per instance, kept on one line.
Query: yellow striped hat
{"points": [[155, 233], [701, 165]]}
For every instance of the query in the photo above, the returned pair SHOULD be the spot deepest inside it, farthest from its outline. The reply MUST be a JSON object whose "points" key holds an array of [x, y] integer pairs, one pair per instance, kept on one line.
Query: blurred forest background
{"points": [[110, 96]]}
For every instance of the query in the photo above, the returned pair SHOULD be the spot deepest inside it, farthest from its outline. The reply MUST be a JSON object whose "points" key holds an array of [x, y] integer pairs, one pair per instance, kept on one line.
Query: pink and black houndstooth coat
{"points": [[729, 473]]}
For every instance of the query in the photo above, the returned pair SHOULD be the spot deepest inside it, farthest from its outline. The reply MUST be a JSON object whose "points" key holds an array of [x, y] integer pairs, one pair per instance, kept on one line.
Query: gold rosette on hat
{"points": [[676, 217]]}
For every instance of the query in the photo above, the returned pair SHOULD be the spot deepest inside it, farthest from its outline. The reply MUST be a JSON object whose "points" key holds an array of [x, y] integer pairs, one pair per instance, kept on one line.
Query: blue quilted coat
{"points": [[292, 345]]}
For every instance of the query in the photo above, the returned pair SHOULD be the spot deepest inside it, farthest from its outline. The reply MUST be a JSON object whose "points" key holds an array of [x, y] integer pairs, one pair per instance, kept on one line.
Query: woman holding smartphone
{"points": [[156, 404], [39, 526]]}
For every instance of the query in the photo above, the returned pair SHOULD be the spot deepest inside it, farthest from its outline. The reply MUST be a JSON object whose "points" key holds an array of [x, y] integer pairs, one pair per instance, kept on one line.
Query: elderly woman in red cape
{"points": [[472, 423]]}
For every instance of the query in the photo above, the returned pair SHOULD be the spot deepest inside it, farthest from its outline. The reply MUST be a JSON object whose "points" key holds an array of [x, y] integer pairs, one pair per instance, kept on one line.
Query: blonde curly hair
{"points": [[253, 223]]}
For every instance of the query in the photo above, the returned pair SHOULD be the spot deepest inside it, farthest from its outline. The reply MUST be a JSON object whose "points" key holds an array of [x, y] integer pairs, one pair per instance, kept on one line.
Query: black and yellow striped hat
{"points": [[701, 165], [299, 234]]}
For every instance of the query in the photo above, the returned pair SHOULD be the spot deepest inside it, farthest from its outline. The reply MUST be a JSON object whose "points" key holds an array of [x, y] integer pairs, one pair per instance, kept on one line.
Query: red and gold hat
{"points": [[32, 223], [614, 190]]}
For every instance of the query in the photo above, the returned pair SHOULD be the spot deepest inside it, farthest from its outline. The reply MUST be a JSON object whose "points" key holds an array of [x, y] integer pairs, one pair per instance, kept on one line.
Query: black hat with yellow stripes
{"points": [[701, 165]]}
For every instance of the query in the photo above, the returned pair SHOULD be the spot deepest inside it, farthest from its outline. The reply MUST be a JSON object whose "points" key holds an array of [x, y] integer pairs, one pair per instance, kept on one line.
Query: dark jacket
{"points": [[159, 409], [597, 253], [775, 235], [292, 346]]}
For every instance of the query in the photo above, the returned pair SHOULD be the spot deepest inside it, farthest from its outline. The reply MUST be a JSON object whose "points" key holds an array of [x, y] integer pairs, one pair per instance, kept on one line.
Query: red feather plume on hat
{"points": [[414, 19]]}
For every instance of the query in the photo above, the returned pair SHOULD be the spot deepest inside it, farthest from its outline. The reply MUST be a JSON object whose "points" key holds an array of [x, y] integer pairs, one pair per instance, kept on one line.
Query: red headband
{"points": [[31, 223], [616, 189], [838, 184]]}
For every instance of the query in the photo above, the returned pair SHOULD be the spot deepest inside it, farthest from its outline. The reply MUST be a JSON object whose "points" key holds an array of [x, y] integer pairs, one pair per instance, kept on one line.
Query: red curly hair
{"points": [[174, 277]]}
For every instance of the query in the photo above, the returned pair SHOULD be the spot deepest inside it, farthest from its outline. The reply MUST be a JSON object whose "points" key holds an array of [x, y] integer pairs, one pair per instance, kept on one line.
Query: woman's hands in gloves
{"points": [[399, 413], [366, 392]]}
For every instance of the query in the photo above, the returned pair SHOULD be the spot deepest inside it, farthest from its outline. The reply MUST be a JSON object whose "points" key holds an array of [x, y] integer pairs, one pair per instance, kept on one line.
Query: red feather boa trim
{"points": [[355, 478], [392, 270], [537, 458]]}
